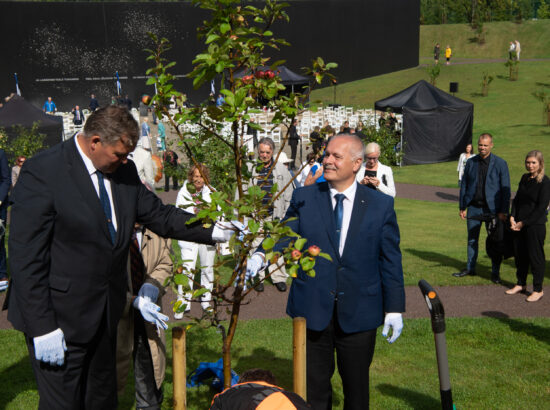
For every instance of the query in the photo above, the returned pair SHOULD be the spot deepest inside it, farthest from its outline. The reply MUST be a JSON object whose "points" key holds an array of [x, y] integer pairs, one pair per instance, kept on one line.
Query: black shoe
{"points": [[463, 273], [495, 279], [281, 286], [259, 287]]}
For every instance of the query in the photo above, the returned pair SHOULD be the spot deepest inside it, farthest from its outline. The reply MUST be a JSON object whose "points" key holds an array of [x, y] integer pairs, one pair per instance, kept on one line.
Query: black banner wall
{"points": [[70, 50]]}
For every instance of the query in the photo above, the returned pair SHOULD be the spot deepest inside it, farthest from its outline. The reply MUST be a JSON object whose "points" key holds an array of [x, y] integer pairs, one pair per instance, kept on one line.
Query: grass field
{"points": [[510, 112], [494, 363]]}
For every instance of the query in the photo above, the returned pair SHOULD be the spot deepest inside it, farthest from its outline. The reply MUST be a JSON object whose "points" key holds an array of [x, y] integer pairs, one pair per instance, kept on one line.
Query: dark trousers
{"points": [[474, 228], [167, 182], [293, 150], [147, 394], [354, 353], [529, 251], [3, 266], [87, 379]]}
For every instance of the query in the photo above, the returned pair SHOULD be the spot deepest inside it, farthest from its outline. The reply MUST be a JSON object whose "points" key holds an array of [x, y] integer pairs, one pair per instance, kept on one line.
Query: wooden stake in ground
{"points": [[299, 359], [178, 366]]}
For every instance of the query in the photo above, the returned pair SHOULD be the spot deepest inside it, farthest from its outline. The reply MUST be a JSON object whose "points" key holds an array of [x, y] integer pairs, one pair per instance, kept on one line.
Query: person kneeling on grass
{"points": [[256, 389]]}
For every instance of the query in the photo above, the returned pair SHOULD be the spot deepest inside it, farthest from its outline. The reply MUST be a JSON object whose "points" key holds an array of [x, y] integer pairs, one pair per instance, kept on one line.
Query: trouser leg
{"points": [[354, 356], [521, 258], [278, 271], [206, 256], [147, 394], [474, 228], [320, 367], [535, 248]]}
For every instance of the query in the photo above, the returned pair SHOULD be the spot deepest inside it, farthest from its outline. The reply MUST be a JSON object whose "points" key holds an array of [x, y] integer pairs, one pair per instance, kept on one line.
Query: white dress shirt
{"points": [[347, 204], [92, 172]]}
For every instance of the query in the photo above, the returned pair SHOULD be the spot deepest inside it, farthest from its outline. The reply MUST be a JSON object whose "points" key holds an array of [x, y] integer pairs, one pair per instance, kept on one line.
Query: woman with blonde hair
{"points": [[528, 219], [192, 193], [374, 174]]}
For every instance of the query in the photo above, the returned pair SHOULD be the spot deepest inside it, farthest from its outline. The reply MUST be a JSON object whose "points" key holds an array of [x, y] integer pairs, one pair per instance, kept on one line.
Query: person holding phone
{"points": [[374, 174]]}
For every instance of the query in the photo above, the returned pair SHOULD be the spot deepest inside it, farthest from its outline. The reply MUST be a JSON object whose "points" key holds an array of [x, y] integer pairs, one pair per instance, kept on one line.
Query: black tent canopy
{"points": [[18, 111], [436, 126]]}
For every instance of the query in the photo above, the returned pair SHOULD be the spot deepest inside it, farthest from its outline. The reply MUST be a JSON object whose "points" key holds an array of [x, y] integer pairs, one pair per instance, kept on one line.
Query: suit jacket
{"points": [[497, 184], [367, 280], [65, 270]]}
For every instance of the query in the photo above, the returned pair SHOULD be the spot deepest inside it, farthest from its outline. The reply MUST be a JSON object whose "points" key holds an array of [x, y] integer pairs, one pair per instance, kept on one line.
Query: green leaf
{"points": [[307, 263], [310, 273], [199, 292], [268, 244], [253, 226], [268, 33], [331, 65], [180, 279], [293, 271], [299, 244], [211, 38], [325, 255], [224, 28]]}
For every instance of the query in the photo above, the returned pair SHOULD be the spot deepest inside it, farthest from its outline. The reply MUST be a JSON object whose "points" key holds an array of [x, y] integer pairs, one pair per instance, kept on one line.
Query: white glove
{"points": [[224, 230], [51, 347], [149, 291], [395, 322], [151, 312], [3, 285]]}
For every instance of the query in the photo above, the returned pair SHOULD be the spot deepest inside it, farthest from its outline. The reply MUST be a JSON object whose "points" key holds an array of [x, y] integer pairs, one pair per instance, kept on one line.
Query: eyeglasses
{"points": [[372, 159]]}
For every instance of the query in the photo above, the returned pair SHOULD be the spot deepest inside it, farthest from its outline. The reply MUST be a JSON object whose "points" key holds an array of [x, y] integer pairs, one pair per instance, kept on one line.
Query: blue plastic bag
{"points": [[210, 370]]}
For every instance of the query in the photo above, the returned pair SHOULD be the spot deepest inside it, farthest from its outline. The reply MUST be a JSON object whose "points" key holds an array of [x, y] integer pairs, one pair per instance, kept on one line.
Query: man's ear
{"points": [[94, 141], [357, 164]]}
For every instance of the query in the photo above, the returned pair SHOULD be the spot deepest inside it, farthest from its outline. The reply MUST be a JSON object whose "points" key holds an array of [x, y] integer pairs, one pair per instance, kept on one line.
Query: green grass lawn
{"points": [[494, 363], [533, 36]]}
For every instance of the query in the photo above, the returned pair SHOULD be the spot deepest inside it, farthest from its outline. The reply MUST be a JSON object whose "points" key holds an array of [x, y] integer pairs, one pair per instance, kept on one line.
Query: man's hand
{"points": [[254, 264], [51, 347], [462, 213], [151, 312], [501, 216], [149, 291], [395, 322]]}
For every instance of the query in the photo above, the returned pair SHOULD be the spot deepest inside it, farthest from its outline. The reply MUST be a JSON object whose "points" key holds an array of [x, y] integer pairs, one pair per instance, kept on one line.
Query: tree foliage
{"points": [[27, 142], [236, 37]]}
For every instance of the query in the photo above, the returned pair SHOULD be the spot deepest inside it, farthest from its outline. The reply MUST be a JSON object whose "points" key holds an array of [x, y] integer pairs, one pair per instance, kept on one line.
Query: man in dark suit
{"points": [[485, 189], [5, 183], [73, 214], [361, 288]]}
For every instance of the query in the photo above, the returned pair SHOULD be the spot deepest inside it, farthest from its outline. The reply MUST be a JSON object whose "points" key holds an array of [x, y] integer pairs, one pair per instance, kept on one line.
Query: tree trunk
{"points": [[485, 90], [228, 340]]}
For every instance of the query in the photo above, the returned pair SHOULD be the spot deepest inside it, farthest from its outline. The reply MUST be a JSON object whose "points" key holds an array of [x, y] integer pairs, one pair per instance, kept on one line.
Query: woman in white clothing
{"points": [[374, 174], [465, 156], [190, 195]]}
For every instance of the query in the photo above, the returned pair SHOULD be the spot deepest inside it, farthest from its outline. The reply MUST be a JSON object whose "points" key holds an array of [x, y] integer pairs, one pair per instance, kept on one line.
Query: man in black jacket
{"points": [[73, 214]]}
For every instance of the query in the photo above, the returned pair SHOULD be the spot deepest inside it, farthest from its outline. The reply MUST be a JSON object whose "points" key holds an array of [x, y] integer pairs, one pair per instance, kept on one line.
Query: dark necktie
{"points": [[338, 215], [137, 266], [106, 204]]}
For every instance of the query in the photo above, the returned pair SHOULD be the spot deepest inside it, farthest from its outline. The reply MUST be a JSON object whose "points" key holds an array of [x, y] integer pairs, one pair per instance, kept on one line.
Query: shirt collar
{"points": [[349, 192], [87, 161]]}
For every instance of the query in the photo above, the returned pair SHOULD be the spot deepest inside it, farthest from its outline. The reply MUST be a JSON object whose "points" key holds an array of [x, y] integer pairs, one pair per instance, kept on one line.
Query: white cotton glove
{"points": [[150, 291], [51, 347], [224, 230], [395, 322], [3, 285], [151, 312]]}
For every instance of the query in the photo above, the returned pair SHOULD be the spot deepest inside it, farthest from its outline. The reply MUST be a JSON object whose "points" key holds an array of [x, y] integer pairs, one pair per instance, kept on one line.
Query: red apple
{"points": [[296, 255], [259, 74], [314, 250]]}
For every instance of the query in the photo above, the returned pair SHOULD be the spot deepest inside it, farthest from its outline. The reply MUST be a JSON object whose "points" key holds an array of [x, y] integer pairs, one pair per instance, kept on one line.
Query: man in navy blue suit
{"points": [[361, 288], [485, 189]]}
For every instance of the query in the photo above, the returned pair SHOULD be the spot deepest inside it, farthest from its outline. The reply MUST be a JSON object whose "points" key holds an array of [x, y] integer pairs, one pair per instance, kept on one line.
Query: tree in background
{"points": [[544, 97], [433, 72], [236, 38], [27, 142], [543, 11], [486, 79]]}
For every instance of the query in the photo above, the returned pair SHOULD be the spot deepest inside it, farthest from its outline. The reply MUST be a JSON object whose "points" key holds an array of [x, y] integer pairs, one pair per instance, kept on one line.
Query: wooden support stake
{"points": [[178, 366], [299, 351]]}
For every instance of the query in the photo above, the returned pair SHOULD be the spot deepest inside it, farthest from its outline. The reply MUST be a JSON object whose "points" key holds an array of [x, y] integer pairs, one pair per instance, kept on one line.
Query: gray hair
{"points": [[267, 141], [371, 148], [357, 147]]}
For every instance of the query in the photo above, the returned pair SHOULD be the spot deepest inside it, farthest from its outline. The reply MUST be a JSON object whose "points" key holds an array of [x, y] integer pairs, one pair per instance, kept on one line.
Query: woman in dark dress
{"points": [[528, 219]]}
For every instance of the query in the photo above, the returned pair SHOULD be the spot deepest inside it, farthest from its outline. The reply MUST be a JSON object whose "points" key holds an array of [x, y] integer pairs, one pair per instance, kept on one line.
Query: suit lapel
{"points": [[357, 214], [327, 214], [115, 191], [78, 172]]}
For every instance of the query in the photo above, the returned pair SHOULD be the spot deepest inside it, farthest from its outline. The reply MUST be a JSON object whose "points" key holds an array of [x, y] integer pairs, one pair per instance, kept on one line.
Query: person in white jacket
{"points": [[144, 162], [194, 190], [374, 174]]}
